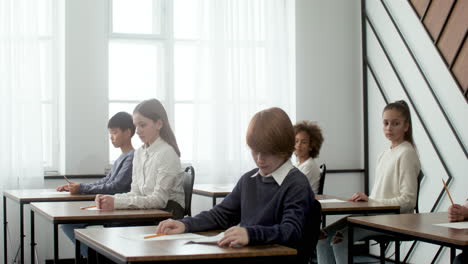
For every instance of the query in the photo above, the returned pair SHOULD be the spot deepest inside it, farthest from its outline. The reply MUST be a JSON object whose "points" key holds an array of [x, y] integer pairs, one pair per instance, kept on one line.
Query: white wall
{"points": [[85, 115], [329, 89]]}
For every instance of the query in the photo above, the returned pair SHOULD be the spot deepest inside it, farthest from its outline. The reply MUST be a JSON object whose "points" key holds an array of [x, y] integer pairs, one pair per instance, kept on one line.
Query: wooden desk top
{"points": [[70, 211], [354, 207], [219, 190], [111, 242], [418, 225], [40, 195]]}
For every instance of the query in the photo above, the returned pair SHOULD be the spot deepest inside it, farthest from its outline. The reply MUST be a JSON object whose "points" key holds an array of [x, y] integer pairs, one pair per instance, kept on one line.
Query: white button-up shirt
{"points": [[157, 178]]}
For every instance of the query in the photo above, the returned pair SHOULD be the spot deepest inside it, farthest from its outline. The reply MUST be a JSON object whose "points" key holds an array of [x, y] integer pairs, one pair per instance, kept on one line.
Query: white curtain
{"points": [[20, 107], [245, 63]]}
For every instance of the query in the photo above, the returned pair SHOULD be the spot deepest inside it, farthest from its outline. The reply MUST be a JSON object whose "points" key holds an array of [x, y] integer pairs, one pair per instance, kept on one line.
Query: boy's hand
{"points": [[457, 213], [74, 188], [62, 188], [170, 227], [234, 237], [105, 202]]}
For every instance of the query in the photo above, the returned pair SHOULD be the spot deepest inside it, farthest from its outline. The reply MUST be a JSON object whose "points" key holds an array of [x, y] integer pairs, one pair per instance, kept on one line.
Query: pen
{"points": [[87, 207], [155, 235], [448, 193]]}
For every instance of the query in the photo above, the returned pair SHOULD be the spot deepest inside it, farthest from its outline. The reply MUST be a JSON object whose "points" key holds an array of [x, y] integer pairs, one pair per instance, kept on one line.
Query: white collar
{"points": [[279, 174]]}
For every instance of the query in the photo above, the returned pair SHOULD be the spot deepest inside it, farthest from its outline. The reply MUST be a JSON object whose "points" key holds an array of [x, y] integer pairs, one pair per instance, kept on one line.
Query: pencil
{"points": [[155, 235], [87, 207], [66, 179], [448, 193]]}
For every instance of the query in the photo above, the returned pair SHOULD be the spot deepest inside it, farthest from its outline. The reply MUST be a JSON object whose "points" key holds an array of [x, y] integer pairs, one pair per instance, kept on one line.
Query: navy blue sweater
{"points": [[272, 214]]}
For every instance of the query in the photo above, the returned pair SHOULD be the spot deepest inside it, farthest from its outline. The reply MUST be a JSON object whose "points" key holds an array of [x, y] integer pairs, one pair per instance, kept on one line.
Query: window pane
{"points": [[185, 63], [45, 60], [138, 17], [135, 71], [186, 19], [184, 130], [114, 108], [47, 137]]}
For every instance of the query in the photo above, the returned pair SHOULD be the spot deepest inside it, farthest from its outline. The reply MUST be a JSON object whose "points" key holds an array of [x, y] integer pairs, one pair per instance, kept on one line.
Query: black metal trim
{"points": [[74, 176], [365, 99], [459, 50], [425, 10], [436, 41], [369, 21], [425, 78], [436, 256], [379, 85]]}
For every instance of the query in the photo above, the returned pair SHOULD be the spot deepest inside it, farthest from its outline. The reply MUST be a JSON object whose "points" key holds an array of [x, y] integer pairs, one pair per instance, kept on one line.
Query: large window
{"points": [[209, 62], [49, 58]]}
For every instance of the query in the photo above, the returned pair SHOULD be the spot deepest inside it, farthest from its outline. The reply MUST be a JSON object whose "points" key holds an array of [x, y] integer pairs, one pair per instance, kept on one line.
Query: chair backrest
{"points": [[189, 179], [420, 177], [323, 172]]}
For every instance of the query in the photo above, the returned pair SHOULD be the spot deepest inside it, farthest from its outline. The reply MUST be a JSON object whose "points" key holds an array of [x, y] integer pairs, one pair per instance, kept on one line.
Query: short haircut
{"points": [[315, 136], [123, 121], [271, 131]]}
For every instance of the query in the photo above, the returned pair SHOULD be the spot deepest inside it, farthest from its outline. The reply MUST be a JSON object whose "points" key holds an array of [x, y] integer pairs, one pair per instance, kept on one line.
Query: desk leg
{"points": [[77, 251], [33, 237], [22, 232], [214, 201], [350, 243], [5, 227], [452, 254], [397, 252], [56, 251]]}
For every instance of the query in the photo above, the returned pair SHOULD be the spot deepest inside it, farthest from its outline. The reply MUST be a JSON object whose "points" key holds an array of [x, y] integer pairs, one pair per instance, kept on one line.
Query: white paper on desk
{"points": [[55, 193], [190, 236], [91, 209], [331, 201], [456, 225], [208, 239]]}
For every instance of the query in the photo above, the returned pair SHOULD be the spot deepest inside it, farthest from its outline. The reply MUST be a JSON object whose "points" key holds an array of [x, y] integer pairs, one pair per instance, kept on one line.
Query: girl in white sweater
{"points": [[396, 182], [157, 180]]}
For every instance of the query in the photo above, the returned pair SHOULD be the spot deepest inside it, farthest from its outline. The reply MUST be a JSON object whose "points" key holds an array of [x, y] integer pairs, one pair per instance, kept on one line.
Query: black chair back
{"points": [[189, 179], [323, 172], [420, 178]]}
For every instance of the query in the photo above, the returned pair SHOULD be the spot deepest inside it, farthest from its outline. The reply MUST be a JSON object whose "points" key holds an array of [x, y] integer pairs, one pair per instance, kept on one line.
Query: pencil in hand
{"points": [[448, 193], [87, 207], [155, 235], [65, 177]]}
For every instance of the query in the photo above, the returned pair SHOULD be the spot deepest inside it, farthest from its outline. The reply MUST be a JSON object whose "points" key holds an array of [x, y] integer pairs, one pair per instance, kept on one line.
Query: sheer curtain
{"points": [[245, 63], [20, 94]]}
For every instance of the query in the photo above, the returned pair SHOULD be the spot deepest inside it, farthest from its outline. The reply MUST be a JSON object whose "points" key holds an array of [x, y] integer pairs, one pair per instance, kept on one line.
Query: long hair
{"points": [[154, 110], [402, 107]]}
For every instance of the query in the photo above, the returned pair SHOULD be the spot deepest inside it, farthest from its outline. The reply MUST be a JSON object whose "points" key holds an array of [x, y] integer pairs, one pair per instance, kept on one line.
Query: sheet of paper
{"points": [[456, 225], [208, 239], [185, 236], [55, 193], [331, 201]]}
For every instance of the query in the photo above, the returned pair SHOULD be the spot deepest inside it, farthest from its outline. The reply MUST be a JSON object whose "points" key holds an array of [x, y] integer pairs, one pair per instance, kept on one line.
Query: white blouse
{"points": [[312, 171], [157, 178]]}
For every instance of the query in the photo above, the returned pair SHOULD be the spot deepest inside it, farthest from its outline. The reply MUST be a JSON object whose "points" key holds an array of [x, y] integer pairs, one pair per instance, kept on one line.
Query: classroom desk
{"points": [[70, 213], [413, 227], [354, 207], [213, 190], [110, 243], [28, 196]]}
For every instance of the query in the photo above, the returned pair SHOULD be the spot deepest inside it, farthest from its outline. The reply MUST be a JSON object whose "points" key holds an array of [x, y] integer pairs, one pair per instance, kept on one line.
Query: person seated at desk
{"points": [[396, 183], [309, 139], [118, 180], [271, 204], [157, 181], [121, 130], [457, 213]]}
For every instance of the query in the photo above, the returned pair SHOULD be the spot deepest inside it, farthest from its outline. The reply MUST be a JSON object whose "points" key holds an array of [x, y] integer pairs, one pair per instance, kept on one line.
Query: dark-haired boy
{"points": [[119, 179]]}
